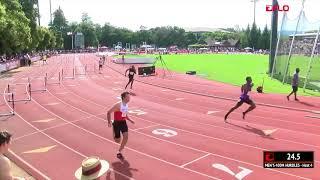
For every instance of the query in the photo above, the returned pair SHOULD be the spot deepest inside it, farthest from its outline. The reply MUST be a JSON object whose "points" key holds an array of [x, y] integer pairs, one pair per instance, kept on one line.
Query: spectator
{"points": [[44, 59], [5, 165], [28, 59]]}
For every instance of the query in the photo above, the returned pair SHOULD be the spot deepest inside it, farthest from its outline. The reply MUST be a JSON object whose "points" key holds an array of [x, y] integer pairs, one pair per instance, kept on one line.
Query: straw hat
{"points": [[92, 168]]}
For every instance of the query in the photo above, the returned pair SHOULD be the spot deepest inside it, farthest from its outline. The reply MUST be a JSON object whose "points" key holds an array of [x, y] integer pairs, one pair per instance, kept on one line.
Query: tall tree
{"points": [[259, 41], [67, 40], [2, 17], [143, 35], [59, 22], [244, 41], [265, 38], [247, 34], [46, 39], [190, 38], [98, 29], [88, 30], [244, 37], [105, 38], [15, 36], [254, 36], [59, 26], [31, 12]]}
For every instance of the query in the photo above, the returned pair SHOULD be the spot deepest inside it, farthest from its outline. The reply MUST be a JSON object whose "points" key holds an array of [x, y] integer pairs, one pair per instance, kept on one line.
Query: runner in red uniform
{"points": [[119, 124]]}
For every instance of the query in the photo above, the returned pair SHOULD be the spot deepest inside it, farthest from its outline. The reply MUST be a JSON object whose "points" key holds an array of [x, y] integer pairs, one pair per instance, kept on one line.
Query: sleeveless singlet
{"points": [[244, 95], [131, 72], [122, 114]]}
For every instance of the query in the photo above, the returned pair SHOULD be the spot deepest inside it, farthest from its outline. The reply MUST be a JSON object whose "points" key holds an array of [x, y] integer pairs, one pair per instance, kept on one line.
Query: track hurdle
{"points": [[53, 80], [80, 70], [6, 98], [11, 87], [90, 68], [43, 84], [64, 76]]}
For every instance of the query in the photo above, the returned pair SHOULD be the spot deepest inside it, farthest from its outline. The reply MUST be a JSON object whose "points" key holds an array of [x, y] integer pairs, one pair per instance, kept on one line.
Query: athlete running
{"points": [[132, 72], [119, 124], [100, 64], [244, 98], [104, 59]]}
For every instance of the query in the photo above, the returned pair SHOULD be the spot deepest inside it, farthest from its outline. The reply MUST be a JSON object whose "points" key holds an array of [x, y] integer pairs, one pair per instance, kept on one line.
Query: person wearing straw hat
{"points": [[92, 168], [119, 124]]}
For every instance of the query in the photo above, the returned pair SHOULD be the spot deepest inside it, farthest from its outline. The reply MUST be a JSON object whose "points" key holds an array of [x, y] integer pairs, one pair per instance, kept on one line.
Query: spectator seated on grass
{"points": [[5, 165]]}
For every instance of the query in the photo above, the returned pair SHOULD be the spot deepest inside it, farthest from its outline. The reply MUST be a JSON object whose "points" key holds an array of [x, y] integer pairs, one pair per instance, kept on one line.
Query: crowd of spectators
{"points": [[196, 51], [4, 58], [25, 56], [299, 47], [10, 58]]}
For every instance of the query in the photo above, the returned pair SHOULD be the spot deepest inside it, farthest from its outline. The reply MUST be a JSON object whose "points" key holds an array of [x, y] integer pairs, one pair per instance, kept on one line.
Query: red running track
{"points": [[224, 91], [68, 124]]}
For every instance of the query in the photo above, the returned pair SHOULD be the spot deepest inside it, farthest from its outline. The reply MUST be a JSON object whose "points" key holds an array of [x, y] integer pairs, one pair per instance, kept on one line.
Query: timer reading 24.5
{"points": [[293, 156]]}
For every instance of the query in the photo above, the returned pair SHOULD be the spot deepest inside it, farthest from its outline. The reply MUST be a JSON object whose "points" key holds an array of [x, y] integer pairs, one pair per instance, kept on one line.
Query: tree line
{"points": [[19, 32]]}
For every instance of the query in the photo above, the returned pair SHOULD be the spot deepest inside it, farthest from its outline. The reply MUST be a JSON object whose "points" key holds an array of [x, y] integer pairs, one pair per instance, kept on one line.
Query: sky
{"points": [[133, 14]]}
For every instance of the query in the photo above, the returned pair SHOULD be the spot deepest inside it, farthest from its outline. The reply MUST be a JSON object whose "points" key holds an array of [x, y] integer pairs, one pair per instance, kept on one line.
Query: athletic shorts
{"points": [[130, 77], [294, 88], [100, 66], [245, 99], [119, 126]]}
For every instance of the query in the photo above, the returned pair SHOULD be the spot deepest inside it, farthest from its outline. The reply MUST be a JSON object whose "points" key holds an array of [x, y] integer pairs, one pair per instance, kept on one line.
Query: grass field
{"points": [[303, 63], [232, 69]]}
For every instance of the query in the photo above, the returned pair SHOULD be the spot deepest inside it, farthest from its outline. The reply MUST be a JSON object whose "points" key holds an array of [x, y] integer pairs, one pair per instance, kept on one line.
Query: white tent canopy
{"points": [[146, 46], [203, 49]]}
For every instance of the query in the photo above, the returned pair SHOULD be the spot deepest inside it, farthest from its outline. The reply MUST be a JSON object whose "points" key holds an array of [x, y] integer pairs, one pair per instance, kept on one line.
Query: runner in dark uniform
{"points": [[295, 84], [100, 65], [119, 124], [244, 98], [132, 72]]}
